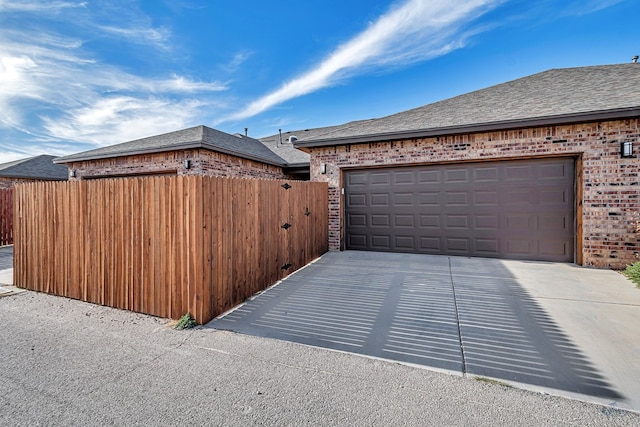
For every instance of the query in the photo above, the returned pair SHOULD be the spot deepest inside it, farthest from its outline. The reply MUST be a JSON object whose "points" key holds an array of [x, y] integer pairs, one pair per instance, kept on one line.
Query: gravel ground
{"points": [[67, 362]]}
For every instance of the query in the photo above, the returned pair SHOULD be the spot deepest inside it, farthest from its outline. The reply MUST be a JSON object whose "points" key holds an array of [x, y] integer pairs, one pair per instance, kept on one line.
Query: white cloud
{"points": [[55, 92], [182, 84], [238, 59], [413, 31], [38, 6], [585, 7], [118, 119], [137, 26], [140, 34], [13, 68], [10, 156]]}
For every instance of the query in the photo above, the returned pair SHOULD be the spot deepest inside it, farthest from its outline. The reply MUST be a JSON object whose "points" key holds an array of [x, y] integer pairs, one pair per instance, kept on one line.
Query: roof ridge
{"points": [[8, 165], [200, 136]]}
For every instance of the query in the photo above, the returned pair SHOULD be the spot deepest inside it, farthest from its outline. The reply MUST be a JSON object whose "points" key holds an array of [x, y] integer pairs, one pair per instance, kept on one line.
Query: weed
{"points": [[186, 322], [633, 272], [491, 381]]}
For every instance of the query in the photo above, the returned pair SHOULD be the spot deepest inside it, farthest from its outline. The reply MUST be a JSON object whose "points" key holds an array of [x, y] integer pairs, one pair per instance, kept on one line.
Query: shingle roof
{"points": [[195, 137], [551, 96], [283, 144], [38, 167]]}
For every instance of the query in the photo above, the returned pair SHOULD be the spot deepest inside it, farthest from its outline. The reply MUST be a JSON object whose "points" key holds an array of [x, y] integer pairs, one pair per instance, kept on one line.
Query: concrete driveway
{"points": [[6, 257], [550, 327], [6, 271]]}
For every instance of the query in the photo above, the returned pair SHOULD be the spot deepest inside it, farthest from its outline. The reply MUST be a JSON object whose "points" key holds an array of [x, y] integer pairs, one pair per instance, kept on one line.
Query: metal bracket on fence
{"points": [[307, 212], [286, 226], [286, 266], [286, 186]]}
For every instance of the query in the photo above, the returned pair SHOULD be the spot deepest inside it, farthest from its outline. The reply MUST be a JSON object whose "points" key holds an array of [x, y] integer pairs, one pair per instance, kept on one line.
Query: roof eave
{"points": [[594, 116], [298, 165], [243, 155], [83, 158], [40, 178], [185, 146]]}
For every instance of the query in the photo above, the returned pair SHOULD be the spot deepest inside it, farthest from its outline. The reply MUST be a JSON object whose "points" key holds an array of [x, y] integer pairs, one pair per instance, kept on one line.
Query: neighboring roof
{"points": [[38, 167], [283, 144], [555, 96], [287, 151], [195, 137]]}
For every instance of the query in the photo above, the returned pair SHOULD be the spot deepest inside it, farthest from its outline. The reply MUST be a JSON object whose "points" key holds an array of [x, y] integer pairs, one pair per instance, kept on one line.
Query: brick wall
{"points": [[610, 185], [203, 162]]}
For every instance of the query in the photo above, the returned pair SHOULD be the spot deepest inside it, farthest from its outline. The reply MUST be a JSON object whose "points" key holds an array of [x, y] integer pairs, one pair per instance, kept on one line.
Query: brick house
{"points": [[37, 168], [198, 150], [530, 169]]}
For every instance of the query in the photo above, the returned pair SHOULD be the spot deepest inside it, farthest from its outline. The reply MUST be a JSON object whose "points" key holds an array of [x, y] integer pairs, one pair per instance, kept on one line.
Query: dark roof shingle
{"points": [[283, 145], [552, 94], [37, 167], [195, 137]]}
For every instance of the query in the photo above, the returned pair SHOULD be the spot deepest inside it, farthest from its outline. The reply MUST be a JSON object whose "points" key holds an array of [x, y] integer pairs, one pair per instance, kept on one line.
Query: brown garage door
{"points": [[510, 209]]}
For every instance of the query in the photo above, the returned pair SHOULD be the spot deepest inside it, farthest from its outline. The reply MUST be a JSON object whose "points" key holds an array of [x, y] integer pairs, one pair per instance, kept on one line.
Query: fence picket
{"points": [[164, 246]]}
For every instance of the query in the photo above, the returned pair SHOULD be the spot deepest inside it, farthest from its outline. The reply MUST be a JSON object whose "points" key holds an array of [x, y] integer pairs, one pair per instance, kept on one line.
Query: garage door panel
{"points": [[456, 175], [552, 223], [486, 198], [382, 242], [357, 220], [357, 178], [403, 199], [357, 200], [358, 241], [456, 198], [404, 243], [380, 199], [520, 195], [553, 247], [553, 196], [380, 178], [553, 171], [406, 221], [486, 174], [458, 245], [520, 222], [380, 220], [400, 178], [429, 199], [487, 247], [429, 221], [457, 221], [520, 247], [518, 173], [429, 176], [487, 222], [520, 209], [430, 244]]}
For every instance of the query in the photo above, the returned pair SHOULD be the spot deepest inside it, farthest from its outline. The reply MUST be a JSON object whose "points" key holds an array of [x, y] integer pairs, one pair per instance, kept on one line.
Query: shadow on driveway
{"points": [[467, 315]]}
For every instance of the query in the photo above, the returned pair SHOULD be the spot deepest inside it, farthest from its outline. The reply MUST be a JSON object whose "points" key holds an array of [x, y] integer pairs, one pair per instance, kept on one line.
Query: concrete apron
{"points": [[6, 283], [599, 310], [548, 327]]}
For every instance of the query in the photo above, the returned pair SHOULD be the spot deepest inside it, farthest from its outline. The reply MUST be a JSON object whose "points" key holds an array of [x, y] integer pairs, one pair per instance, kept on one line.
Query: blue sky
{"points": [[77, 75]]}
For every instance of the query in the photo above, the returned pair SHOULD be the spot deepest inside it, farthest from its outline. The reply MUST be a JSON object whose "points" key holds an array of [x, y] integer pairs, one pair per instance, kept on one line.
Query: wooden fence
{"points": [[6, 216], [169, 245]]}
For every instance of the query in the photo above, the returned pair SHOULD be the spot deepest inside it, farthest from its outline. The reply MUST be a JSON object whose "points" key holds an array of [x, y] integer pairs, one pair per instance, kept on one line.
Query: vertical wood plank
{"points": [[166, 245]]}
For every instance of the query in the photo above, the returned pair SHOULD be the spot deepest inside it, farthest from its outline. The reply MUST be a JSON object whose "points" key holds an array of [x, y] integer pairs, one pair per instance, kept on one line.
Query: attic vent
{"points": [[292, 139]]}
